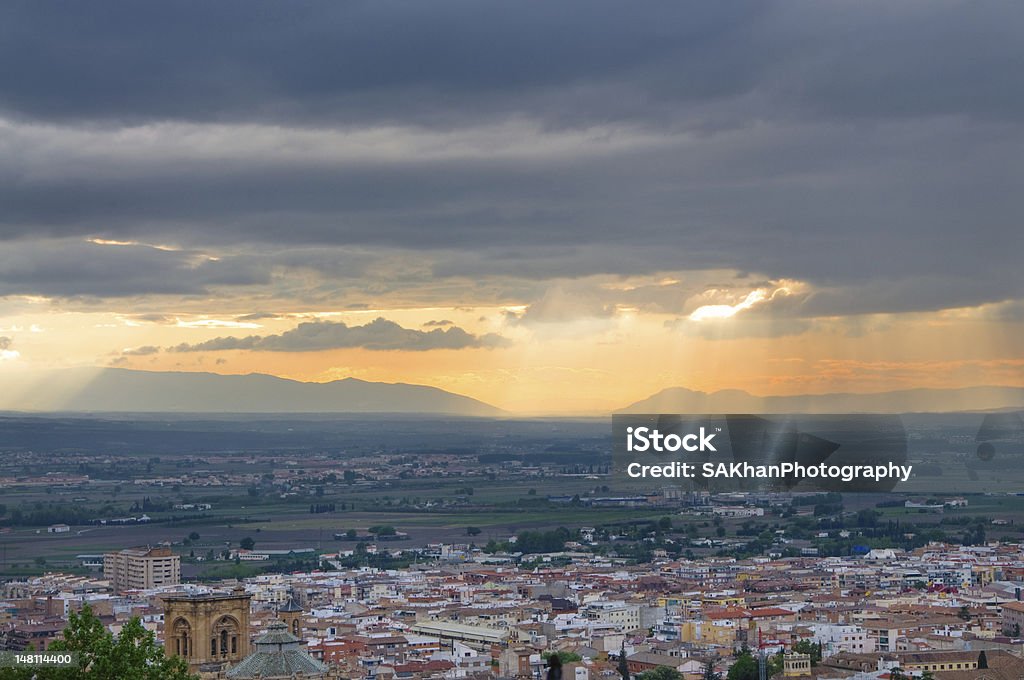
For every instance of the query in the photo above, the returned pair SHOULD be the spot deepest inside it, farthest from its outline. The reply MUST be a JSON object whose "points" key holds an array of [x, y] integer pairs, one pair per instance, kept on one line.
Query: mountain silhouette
{"points": [[683, 400], [124, 390]]}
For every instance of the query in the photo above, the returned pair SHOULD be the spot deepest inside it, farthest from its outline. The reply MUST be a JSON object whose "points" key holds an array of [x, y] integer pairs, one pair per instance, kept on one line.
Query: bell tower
{"points": [[207, 629], [290, 615]]}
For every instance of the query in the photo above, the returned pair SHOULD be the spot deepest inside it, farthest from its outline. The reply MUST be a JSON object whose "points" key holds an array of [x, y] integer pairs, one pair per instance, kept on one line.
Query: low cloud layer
{"points": [[380, 334]]}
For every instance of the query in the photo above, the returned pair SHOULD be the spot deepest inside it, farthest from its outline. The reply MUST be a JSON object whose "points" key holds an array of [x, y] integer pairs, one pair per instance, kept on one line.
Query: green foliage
{"points": [[661, 673], [810, 648], [744, 668], [542, 541], [132, 655], [247, 543], [563, 656], [710, 673]]}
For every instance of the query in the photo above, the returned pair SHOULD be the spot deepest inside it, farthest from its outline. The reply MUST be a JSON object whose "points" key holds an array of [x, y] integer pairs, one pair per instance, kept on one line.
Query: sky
{"points": [[554, 207]]}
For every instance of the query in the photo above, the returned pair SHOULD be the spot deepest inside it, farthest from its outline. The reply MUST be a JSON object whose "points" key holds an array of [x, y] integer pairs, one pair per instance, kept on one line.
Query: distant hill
{"points": [[123, 390], [682, 400]]}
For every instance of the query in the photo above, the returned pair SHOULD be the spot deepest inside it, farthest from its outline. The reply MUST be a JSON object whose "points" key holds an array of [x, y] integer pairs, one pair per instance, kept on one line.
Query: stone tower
{"points": [[290, 615], [207, 629]]}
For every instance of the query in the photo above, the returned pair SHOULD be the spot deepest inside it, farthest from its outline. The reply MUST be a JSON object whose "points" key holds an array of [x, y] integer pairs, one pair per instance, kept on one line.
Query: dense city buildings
{"points": [[948, 610]]}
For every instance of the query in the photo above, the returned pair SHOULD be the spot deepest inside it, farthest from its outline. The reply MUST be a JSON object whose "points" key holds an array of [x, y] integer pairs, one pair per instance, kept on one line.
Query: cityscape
{"points": [[483, 340], [378, 547]]}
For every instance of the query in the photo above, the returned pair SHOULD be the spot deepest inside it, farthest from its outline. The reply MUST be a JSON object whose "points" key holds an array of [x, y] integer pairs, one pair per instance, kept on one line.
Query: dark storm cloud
{"points": [[80, 269], [569, 61], [358, 61], [380, 334], [869, 148]]}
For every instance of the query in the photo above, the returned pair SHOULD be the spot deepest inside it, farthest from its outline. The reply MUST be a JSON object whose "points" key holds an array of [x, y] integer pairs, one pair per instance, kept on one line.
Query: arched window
{"points": [[181, 633], [226, 632]]}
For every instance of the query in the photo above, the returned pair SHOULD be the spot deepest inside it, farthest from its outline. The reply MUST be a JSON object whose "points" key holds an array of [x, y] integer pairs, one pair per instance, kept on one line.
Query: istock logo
{"points": [[647, 439]]}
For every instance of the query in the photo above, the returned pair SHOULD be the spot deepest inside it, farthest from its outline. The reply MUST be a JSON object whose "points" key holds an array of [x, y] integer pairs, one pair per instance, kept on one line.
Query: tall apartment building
{"points": [[142, 568]]}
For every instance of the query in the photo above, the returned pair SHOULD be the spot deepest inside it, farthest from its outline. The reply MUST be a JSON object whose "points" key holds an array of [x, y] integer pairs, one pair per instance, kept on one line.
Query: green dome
{"points": [[278, 654]]}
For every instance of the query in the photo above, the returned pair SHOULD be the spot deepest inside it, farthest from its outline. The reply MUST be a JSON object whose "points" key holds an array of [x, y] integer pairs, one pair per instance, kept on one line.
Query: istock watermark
{"points": [[933, 453]]}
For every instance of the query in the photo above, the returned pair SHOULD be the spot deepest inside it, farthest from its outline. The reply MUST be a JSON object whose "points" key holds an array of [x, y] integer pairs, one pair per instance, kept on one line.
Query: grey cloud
{"points": [[5, 342], [568, 62], [366, 60], [259, 316], [566, 303], [756, 136], [143, 351], [153, 317], [79, 269], [380, 334], [441, 322]]}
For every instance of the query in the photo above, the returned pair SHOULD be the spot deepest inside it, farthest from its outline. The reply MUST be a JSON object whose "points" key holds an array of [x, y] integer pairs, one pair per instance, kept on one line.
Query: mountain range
{"points": [[126, 391], [683, 400]]}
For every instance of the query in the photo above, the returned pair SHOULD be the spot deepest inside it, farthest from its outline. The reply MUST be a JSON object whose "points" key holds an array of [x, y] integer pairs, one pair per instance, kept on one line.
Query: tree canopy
{"points": [[131, 655], [661, 673]]}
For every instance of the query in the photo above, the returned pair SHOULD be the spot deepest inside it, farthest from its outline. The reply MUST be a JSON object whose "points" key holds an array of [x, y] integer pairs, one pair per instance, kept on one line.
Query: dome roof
{"points": [[278, 654]]}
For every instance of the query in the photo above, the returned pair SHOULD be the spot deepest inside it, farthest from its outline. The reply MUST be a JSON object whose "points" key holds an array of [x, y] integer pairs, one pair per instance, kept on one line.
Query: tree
{"points": [[563, 656], [193, 536], [964, 614], [623, 666], [101, 656], [744, 668], [473, 531], [661, 673], [710, 673], [809, 648], [247, 543]]}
